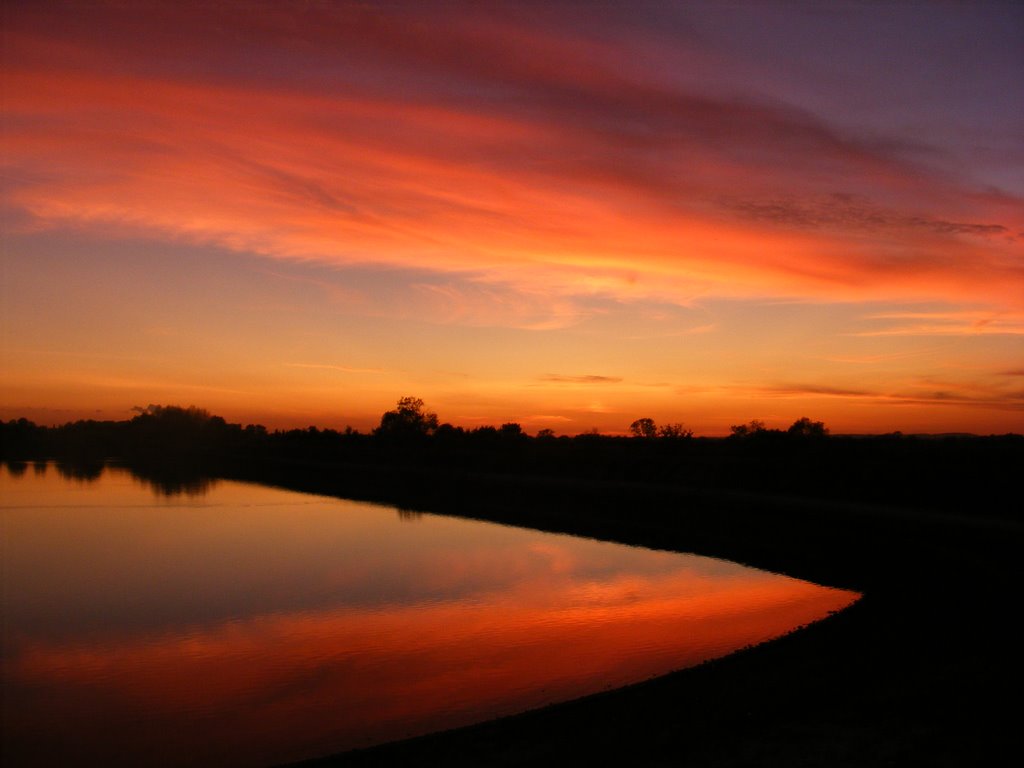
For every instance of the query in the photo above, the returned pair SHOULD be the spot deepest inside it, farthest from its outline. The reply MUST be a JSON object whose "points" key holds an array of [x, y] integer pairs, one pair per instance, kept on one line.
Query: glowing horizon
{"points": [[707, 214]]}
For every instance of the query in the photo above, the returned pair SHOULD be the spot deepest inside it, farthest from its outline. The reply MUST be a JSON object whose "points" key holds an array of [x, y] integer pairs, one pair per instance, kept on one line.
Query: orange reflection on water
{"points": [[563, 617]]}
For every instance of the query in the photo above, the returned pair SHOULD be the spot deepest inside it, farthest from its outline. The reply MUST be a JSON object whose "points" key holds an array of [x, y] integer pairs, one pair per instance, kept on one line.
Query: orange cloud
{"points": [[558, 378], [951, 323], [576, 177], [931, 393]]}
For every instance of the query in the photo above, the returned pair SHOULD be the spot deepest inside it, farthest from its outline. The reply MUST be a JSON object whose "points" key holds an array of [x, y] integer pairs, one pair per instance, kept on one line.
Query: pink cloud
{"points": [[479, 142]]}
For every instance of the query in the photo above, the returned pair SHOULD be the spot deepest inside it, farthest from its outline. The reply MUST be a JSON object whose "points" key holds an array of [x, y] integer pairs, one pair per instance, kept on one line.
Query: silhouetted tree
{"points": [[674, 431], [172, 429], [408, 419], [22, 439], [746, 430], [446, 430], [545, 434], [511, 429], [174, 416], [804, 427], [643, 428]]}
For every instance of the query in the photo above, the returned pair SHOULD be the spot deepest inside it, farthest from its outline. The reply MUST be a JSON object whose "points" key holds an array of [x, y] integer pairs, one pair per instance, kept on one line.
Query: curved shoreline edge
{"points": [[912, 672]]}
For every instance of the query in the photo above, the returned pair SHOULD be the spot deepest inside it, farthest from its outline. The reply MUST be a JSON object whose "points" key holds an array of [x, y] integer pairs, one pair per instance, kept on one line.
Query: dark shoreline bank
{"points": [[912, 673]]}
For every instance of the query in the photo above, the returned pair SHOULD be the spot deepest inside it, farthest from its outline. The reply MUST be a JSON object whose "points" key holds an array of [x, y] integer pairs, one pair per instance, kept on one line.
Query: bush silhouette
{"points": [[804, 427], [408, 419]]}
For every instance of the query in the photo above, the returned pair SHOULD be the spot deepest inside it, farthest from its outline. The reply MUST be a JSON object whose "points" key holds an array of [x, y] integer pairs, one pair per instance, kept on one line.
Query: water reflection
{"points": [[253, 625], [82, 472], [171, 481], [16, 468], [165, 480]]}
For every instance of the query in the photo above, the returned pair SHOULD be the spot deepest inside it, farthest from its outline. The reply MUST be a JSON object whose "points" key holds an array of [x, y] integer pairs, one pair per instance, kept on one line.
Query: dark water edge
{"points": [[915, 672]]}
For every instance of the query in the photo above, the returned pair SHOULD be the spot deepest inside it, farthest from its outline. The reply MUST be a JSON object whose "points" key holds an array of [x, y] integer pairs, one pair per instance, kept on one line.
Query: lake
{"points": [[227, 623]]}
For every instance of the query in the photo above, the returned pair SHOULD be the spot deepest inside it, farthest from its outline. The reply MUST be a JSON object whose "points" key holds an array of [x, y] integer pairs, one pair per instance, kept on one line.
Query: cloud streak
{"points": [[557, 378], [845, 211], [473, 140], [950, 323], [340, 368], [948, 394]]}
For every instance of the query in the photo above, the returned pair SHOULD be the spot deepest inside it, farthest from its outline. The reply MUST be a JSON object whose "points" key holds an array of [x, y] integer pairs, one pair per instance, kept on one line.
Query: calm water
{"points": [[237, 624]]}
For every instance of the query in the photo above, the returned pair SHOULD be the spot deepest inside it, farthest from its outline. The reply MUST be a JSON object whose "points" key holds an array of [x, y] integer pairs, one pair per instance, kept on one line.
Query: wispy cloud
{"points": [[804, 390], [948, 323], [474, 302], [846, 211], [558, 378], [694, 331], [472, 139], [86, 355], [922, 393], [146, 384], [883, 357], [340, 368]]}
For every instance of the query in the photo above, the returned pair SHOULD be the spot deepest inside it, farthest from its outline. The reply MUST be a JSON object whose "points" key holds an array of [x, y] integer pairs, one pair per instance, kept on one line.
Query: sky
{"points": [[568, 215]]}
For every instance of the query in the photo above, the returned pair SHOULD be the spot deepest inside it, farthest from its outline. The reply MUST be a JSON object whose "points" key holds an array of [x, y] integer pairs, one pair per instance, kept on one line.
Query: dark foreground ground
{"points": [[924, 670]]}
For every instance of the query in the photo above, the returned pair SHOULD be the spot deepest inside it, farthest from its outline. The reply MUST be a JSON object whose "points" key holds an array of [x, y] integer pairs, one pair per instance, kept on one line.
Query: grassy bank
{"points": [[914, 673]]}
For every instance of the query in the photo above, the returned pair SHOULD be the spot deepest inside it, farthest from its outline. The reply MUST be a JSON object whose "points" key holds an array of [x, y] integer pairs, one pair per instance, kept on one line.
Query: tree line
{"points": [[955, 473]]}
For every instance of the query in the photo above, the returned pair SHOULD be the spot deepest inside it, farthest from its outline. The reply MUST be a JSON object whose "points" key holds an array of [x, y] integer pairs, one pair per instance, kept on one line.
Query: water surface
{"points": [[237, 624]]}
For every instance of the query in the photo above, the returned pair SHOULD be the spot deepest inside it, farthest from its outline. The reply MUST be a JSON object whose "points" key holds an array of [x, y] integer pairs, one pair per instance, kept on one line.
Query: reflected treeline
{"points": [[17, 468], [173, 479], [175, 449], [83, 471], [169, 480]]}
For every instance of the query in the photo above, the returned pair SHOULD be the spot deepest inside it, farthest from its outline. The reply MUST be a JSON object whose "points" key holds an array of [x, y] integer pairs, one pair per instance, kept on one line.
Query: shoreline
{"points": [[911, 671]]}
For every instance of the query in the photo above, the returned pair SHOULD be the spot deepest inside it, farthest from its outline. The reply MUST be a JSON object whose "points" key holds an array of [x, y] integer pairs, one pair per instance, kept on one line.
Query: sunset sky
{"points": [[568, 215]]}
